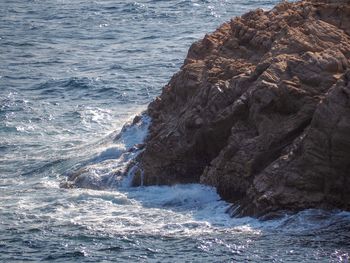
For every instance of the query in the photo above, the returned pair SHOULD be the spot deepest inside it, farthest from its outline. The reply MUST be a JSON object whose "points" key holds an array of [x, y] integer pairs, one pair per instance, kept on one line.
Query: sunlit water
{"points": [[71, 74]]}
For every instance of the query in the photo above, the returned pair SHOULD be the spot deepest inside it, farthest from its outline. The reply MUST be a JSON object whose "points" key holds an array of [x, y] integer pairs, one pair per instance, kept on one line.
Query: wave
{"points": [[71, 83], [107, 169], [74, 88]]}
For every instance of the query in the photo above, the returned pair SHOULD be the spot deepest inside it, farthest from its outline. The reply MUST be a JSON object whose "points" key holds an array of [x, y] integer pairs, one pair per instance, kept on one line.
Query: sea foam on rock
{"points": [[260, 110]]}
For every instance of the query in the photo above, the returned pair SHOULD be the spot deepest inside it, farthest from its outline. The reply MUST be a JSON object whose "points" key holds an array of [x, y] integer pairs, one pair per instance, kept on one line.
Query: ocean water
{"points": [[71, 74]]}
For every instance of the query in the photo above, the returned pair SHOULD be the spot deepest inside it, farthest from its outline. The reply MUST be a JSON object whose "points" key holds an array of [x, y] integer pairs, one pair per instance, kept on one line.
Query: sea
{"points": [[73, 73]]}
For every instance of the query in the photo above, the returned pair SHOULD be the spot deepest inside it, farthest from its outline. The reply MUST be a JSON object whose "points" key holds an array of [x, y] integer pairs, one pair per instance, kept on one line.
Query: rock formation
{"points": [[260, 110]]}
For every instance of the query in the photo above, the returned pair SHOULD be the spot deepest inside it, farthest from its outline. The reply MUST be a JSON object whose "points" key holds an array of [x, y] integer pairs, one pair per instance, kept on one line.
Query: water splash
{"points": [[107, 169]]}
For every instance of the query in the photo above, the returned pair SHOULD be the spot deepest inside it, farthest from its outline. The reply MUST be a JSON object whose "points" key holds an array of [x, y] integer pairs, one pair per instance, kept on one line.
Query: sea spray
{"points": [[111, 168]]}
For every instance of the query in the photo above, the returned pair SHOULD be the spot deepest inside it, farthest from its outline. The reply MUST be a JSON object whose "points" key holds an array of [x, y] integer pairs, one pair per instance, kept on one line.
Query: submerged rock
{"points": [[261, 110]]}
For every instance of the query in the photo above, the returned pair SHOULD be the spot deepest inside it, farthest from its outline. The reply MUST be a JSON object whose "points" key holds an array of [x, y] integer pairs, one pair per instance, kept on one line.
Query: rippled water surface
{"points": [[71, 74]]}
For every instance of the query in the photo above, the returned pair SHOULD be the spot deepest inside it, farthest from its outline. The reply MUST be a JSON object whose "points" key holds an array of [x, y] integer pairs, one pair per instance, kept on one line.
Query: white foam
{"points": [[135, 133], [105, 170], [94, 115], [185, 210]]}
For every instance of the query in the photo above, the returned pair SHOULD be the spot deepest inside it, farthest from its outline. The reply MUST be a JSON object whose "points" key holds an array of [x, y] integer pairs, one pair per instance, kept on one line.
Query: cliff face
{"points": [[261, 110]]}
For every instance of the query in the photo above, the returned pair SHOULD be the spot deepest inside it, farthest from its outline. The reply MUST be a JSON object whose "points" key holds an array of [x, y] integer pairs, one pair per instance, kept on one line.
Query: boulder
{"points": [[260, 110]]}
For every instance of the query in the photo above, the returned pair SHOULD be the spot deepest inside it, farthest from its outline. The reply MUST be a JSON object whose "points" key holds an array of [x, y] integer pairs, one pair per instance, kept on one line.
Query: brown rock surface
{"points": [[261, 110]]}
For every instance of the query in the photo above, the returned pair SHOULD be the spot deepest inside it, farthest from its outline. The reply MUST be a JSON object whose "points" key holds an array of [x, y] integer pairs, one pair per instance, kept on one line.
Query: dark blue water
{"points": [[71, 74]]}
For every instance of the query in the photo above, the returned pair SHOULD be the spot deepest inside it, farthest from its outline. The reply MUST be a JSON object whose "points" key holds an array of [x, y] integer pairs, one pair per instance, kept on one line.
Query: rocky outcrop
{"points": [[260, 110]]}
